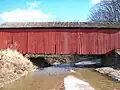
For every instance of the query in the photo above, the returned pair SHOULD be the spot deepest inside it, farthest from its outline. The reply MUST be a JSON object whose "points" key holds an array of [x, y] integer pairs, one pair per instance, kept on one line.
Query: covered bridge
{"points": [[60, 37]]}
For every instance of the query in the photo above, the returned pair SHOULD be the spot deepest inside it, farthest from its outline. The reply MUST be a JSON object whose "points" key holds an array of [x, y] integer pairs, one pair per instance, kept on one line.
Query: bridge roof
{"points": [[60, 25]]}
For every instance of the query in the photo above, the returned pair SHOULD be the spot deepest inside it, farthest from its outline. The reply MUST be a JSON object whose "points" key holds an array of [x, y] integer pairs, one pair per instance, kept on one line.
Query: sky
{"points": [[45, 10]]}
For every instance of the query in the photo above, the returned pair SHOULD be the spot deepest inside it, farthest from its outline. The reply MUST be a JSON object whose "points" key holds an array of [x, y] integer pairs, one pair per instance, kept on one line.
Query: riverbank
{"points": [[109, 71]]}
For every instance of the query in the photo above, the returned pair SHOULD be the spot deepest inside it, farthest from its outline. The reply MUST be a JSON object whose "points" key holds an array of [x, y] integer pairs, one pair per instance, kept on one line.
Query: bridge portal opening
{"points": [[40, 62]]}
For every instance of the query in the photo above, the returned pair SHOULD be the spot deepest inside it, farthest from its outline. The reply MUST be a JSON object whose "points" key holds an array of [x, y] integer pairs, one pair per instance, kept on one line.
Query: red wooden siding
{"points": [[19, 41], [41, 42], [4, 39], [61, 41]]}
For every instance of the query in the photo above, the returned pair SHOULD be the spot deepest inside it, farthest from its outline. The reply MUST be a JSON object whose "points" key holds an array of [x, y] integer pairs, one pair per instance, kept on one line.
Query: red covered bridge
{"points": [[60, 37]]}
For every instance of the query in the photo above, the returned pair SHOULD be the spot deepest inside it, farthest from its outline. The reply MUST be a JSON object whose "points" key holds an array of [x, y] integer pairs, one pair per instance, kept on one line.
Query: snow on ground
{"points": [[72, 83], [88, 62], [114, 73]]}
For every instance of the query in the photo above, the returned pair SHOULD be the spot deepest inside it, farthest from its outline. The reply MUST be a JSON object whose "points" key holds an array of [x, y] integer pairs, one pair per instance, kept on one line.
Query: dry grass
{"points": [[13, 65]]}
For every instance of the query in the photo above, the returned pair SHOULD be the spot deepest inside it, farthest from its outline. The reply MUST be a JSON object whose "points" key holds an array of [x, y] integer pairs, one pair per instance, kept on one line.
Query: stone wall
{"points": [[111, 59]]}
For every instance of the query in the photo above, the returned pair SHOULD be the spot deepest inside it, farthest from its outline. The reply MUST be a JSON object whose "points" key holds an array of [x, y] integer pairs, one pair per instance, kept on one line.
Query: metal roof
{"points": [[60, 25]]}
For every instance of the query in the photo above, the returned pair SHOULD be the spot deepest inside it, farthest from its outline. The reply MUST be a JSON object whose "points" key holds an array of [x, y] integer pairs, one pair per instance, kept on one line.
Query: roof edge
{"points": [[60, 25]]}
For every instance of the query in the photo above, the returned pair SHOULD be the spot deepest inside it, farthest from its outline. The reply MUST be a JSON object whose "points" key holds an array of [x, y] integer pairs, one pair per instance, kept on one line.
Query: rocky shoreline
{"points": [[109, 71]]}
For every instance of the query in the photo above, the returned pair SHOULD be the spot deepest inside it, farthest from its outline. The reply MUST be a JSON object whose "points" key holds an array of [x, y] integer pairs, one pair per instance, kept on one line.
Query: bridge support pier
{"points": [[111, 60]]}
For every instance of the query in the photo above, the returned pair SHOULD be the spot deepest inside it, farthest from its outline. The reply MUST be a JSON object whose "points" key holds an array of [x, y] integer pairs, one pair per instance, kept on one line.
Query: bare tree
{"points": [[106, 11]]}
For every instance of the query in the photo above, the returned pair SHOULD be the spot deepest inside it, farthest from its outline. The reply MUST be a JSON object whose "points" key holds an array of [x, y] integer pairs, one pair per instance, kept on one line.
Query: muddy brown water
{"points": [[97, 80], [43, 79], [52, 79]]}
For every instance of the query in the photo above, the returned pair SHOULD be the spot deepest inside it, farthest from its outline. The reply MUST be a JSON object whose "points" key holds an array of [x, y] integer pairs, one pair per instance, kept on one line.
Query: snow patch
{"points": [[72, 83], [88, 62]]}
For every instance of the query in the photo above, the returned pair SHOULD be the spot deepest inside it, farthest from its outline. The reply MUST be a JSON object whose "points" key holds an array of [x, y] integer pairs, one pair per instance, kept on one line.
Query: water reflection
{"points": [[51, 71]]}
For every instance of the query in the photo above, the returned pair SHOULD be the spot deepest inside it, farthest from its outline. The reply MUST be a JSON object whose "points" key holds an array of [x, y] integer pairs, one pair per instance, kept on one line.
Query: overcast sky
{"points": [[45, 10]]}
